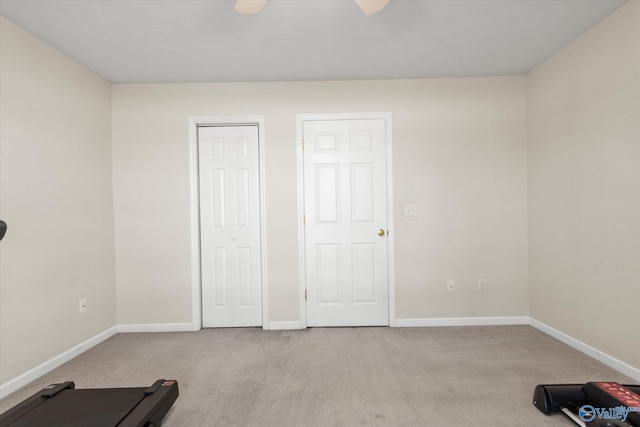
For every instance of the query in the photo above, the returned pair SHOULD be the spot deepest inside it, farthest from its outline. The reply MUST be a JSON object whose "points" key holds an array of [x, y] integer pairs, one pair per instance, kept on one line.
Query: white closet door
{"points": [[346, 222], [230, 226]]}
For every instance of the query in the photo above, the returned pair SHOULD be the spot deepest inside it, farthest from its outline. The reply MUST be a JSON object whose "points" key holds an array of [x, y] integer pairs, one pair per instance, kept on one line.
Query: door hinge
{"points": [[303, 143], [305, 294], [304, 219]]}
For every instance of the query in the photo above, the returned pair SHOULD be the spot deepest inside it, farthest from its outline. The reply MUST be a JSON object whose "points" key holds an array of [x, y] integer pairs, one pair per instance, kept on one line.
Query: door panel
{"points": [[364, 271], [362, 188], [230, 226], [327, 193], [345, 206], [219, 276]]}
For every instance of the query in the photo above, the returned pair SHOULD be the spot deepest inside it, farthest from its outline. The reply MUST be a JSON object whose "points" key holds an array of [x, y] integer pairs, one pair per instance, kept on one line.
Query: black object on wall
{"points": [[3, 229]]}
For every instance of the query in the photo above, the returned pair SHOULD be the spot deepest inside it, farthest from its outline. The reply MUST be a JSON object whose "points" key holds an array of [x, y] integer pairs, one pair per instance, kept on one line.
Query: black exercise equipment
{"points": [[64, 405], [594, 404]]}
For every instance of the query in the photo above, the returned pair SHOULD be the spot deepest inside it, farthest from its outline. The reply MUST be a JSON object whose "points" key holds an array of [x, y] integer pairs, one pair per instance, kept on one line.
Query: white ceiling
{"points": [[144, 41]]}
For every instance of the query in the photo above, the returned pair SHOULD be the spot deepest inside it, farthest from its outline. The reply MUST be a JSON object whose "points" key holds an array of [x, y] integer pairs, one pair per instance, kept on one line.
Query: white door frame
{"points": [[301, 118], [196, 278]]}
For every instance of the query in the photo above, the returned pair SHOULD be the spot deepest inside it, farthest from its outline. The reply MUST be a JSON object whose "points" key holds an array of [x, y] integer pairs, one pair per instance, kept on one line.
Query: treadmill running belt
{"points": [[84, 408]]}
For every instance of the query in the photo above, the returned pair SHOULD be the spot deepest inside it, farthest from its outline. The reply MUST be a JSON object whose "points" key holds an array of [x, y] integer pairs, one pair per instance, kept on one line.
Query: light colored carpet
{"points": [[450, 376]]}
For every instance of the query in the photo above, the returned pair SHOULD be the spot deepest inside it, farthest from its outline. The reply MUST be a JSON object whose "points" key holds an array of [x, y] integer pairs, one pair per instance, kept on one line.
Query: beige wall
{"points": [[459, 153], [56, 196], [584, 187]]}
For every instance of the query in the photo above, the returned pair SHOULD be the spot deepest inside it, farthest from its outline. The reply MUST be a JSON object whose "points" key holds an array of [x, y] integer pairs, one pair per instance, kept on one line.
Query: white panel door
{"points": [[345, 201], [230, 226]]}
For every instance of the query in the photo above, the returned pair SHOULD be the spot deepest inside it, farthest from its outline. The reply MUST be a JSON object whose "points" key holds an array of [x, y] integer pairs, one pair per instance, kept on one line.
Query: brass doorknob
{"points": [[381, 232]]}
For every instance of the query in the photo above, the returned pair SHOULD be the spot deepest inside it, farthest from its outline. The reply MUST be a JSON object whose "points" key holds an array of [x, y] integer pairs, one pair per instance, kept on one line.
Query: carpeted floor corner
{"points": [[444, 376]]}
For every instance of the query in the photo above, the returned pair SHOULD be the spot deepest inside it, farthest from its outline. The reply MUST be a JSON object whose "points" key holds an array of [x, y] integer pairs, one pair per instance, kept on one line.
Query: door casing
{"points": [[301, 118], [196, 280]]}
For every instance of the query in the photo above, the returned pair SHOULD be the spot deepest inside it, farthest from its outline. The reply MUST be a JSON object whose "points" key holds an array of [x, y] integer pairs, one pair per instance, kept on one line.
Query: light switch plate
{"points": [[410, 210]]}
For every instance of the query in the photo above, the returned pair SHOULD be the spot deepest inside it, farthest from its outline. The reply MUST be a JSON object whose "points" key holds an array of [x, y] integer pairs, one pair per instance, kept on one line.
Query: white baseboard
{"points": [[157, 327], [35, 373], [600, 356], [285, 325], [462, 321]]}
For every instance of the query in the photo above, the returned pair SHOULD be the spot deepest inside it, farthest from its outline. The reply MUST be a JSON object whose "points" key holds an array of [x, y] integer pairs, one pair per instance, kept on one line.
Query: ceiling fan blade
{"points": [[369, 7], [249, 7]]}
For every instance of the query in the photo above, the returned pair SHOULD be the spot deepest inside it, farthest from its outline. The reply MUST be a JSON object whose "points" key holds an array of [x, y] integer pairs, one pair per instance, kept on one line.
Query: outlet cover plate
{"points": [[451, 285]]}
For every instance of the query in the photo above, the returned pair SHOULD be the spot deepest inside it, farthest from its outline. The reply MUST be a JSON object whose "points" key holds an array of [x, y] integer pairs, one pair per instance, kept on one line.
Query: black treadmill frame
{"points": [[149, 411]]}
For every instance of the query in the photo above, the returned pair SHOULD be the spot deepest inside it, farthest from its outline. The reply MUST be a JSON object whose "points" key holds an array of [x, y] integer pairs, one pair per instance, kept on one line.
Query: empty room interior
{"points": [[316, 213]]}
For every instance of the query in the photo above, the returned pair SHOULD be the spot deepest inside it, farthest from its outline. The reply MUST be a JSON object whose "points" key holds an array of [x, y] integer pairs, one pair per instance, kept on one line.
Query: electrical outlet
{"points": [[83, 305], [482, 285], [451, 285]]}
